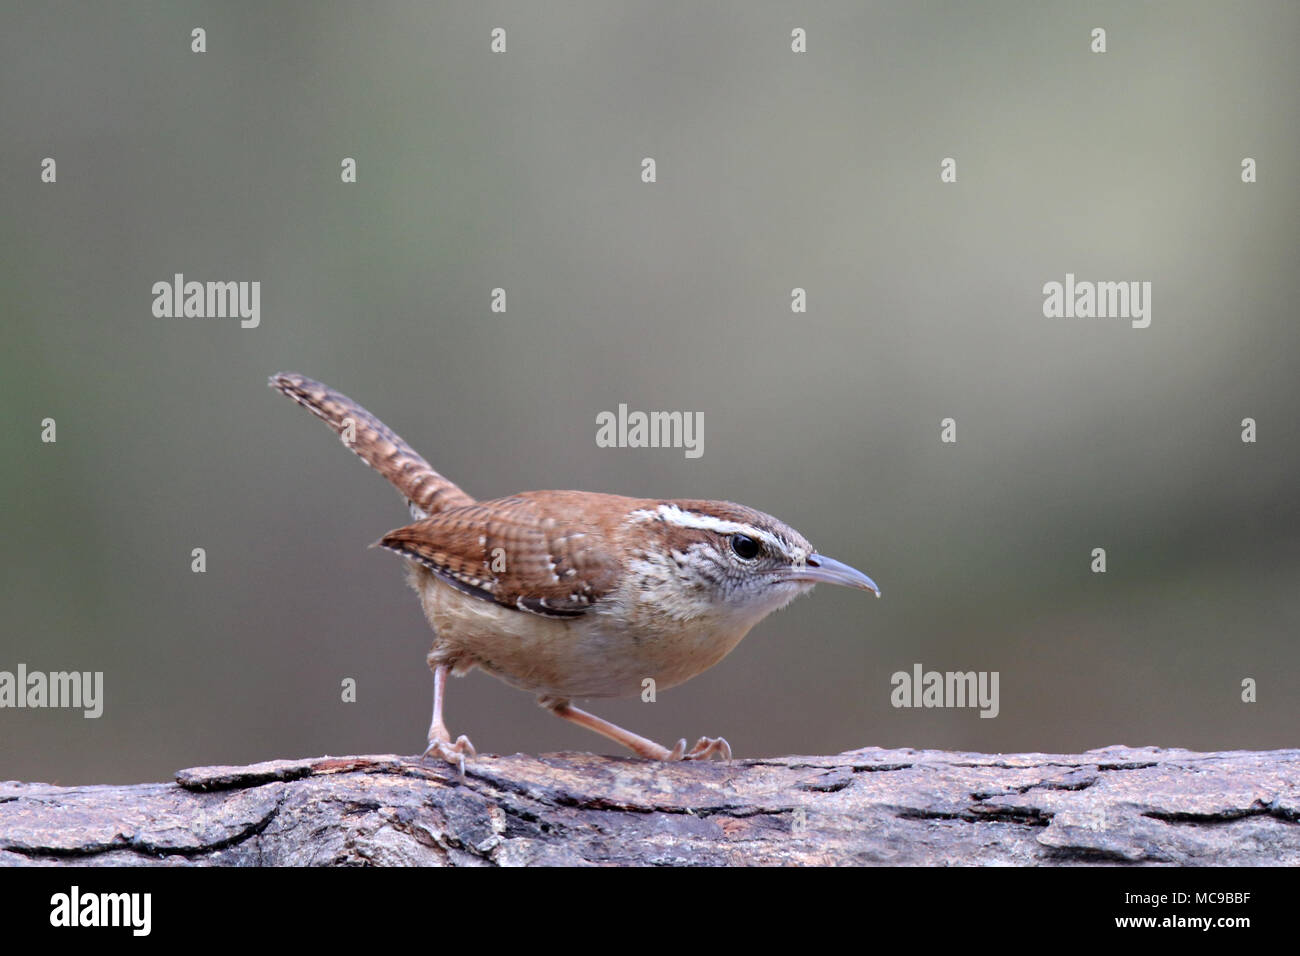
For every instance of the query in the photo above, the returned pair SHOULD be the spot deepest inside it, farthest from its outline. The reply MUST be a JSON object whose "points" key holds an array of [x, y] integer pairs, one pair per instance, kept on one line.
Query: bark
{"points": [[1118, 805]]}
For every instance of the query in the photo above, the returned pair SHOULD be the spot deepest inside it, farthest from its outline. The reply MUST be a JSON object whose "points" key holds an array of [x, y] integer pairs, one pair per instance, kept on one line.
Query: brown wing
{"points": [[542, 552]]}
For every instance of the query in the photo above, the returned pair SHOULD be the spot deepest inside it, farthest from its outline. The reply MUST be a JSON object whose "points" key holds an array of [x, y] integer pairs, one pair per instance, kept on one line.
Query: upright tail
{"points": [[376, 444]]}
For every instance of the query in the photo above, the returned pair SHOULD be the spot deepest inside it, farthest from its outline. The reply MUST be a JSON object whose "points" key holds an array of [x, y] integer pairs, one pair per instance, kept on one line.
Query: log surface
{"points": [[1118, 805]]}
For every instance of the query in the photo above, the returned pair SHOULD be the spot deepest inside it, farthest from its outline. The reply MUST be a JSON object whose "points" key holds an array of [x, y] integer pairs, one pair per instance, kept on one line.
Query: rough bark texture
{"points": [[1117, 805]]}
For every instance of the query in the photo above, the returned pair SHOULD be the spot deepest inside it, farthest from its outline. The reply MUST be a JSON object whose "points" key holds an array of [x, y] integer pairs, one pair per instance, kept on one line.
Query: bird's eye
{"points": [[744, 546]]}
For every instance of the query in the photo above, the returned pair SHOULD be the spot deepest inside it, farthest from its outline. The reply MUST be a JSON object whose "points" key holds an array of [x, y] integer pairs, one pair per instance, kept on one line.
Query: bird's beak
{"points": [[824, 570]]}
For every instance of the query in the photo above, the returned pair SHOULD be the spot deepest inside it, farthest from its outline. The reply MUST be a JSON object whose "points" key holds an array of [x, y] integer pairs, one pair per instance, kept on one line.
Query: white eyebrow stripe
{"points": [[702, 522]]}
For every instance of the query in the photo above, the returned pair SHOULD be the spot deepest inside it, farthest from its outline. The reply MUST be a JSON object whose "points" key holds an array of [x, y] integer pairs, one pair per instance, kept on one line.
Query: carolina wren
{"points": [[574, 594]]}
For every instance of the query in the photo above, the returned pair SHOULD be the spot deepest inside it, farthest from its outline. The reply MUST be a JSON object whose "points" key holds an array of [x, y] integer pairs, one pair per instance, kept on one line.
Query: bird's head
{"points": [[725, 556]]}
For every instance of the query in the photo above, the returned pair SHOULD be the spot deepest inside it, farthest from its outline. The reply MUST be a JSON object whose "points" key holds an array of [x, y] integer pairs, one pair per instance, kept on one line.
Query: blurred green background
{"points": [[775, 170]]}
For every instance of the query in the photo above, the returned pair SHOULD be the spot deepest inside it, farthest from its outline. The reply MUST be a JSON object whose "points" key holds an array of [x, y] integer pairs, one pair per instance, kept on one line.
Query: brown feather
{"points": [[376, 444], [546, 553]]}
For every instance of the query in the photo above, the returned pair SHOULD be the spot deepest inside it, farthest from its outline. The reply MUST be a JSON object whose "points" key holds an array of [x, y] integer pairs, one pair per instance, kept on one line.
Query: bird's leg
{"points": [[703, 749], [439, 739]]}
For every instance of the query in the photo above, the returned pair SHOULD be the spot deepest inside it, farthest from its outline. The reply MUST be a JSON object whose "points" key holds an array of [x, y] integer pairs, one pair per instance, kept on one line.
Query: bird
{"points": [[574, 594]]}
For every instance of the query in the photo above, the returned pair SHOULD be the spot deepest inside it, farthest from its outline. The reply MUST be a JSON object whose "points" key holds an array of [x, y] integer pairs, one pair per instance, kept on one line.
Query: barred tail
{"points": [[375, 443]]}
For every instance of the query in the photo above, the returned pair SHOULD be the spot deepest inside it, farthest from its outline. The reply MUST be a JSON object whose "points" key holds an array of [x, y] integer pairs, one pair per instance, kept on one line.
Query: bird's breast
{"points": [[611, 651]]}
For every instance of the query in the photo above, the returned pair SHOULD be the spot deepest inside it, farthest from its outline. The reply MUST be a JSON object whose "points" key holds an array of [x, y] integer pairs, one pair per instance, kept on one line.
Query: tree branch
{"points": [[1117, 805]]}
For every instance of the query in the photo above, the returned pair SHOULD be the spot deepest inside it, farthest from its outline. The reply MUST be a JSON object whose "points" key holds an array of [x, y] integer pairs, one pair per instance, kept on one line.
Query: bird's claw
{"points": [[453, 753], [704, 748]]}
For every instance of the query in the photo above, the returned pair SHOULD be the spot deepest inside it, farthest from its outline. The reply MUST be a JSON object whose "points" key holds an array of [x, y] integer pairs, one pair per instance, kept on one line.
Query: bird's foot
{"points": [[453, 753], [704, 748]]}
